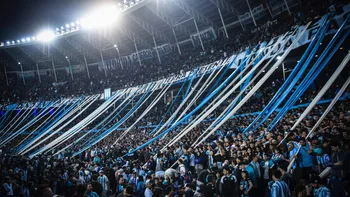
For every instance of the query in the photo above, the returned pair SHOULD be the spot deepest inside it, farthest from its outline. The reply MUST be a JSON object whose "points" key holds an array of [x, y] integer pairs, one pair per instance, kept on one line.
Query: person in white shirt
{"points": [[170, 174], [103, 180], [148, 191], [182, 168]]}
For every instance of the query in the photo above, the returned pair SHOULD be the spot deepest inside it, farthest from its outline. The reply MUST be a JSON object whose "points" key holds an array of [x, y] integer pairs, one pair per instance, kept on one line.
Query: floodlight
{"points": [[28, 39], [57, 29], [101, 17], [8, 42], [115, 46], [72, 24], [18, 41], [23, 40], [46, 36], [77, 22], [67, 26], [278, 57], [19, 63], [13, 42], [62, 27], [33, 38], [66, 57]]}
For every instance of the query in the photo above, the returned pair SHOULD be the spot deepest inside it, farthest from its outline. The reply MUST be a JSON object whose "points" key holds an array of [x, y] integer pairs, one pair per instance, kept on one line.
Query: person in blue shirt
{"points": [[251, 173], [245, 185], [305, 158], [320, 190], [89, 192], [279, 188], [140, 189]]}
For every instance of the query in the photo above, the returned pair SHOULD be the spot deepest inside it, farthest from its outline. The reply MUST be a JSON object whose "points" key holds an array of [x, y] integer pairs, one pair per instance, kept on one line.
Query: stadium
{"points": [[175, 98]]}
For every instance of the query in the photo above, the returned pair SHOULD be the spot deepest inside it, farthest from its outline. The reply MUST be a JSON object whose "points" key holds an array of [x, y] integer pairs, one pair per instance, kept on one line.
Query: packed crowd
{"points": [[228, 164]]}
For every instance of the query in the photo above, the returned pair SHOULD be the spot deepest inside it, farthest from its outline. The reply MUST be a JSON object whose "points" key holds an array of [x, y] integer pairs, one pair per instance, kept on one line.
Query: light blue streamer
{"points": [[312, 73], [291, 80], [105, 125], [110, 130], [193, 111]]}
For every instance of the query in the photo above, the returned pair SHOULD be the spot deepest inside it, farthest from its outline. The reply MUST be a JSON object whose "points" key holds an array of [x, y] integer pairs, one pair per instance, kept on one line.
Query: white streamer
{"points": [[155, 101], [257, 86], [29, 146]]}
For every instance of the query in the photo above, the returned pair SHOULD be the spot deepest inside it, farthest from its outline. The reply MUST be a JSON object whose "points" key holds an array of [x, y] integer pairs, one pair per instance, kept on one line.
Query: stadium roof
{"points": [[139, 24]]}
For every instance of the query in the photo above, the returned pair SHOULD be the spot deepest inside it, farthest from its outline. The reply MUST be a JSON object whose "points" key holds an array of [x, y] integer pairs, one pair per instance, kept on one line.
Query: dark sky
{"points": [[24, 18]]}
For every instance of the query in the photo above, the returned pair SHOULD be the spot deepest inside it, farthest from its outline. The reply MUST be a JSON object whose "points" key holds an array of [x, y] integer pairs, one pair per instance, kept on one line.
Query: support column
{"points": [[268, 8], [87, 68], [70, 68], [54, 70], [284, 72], [223, 23], [285, 1], [200, 38], [37, 72], [137, 52], [103, 64], [251, 12], [177, 44], [7, 81], [24, 81], [155, 45]]}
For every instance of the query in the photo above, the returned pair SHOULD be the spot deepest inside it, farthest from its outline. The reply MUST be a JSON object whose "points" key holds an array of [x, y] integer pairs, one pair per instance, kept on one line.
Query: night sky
{"points": [[24, 18]]}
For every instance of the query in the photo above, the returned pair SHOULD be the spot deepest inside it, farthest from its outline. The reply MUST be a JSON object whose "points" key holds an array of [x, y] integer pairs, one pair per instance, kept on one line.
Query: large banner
{"points": [[235, 60]]}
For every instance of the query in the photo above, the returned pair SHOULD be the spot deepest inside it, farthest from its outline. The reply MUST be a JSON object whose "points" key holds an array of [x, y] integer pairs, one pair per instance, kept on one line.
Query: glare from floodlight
{"points": [[8, 42], [33, 38], [62, 27], [115, 46], [72, 24], [77, 22], [57, 29], [23, 40], [19, 63], [101, 17], [278, 57], [66, 57], [28, 39], [67, 26], [13, 42], [46, 36], [18, 41]]}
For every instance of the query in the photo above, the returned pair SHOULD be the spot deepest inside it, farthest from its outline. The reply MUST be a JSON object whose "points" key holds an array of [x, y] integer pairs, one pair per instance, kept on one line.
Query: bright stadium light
{"points": [[18, 41], [8, 42], [13, 42], [72, 24], [46, 36], [101, 17], [28, 39], [67, 25], [33, 38], [23, 40]]}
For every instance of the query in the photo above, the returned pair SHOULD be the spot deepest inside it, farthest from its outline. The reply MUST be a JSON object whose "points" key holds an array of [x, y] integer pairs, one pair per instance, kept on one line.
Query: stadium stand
{"points": [[187, 126]]}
